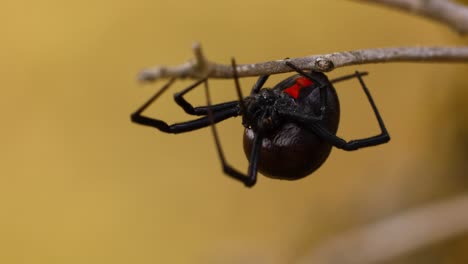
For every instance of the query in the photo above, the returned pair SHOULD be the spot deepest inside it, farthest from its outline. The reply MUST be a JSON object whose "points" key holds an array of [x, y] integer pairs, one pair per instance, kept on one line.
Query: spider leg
{"points": [[201, 110], [322, 90], [338, 142], [251, 178], [205, 121], [259, 84], [350, 76], [299, 116]]}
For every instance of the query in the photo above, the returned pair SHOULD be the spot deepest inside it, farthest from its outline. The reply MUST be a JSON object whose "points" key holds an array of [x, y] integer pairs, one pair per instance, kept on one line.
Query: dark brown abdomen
{"points": [[290, 154], [293, 152]]}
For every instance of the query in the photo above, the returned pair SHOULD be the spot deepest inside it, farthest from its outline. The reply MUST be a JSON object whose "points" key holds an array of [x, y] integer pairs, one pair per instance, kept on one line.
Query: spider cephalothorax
{"points": [[263, 110], [290, 129]]}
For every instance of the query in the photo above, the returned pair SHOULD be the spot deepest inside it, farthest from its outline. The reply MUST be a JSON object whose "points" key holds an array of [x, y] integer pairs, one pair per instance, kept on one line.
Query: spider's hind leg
{"points": [[338, 142]]}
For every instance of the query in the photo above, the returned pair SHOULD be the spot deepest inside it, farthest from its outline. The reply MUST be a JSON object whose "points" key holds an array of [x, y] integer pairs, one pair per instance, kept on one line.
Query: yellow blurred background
{"points": [[79, 183]]}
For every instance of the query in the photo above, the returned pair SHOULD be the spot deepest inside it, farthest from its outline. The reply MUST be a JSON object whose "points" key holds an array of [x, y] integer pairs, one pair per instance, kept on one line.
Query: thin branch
{"points": [[201, 67], [395, 235], [452, 14]]}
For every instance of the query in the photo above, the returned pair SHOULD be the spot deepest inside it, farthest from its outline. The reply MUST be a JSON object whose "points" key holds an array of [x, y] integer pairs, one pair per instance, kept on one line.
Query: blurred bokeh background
{"points": [[79, 183]]}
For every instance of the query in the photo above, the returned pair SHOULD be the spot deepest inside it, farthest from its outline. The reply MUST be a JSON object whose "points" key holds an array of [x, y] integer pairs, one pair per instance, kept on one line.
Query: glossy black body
{"points": [[289, 150]]}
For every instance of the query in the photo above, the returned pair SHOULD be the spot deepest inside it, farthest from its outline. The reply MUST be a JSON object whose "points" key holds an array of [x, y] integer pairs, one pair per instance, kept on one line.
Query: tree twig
{"points": [[395, 236], [445, 11], [201, 67]]}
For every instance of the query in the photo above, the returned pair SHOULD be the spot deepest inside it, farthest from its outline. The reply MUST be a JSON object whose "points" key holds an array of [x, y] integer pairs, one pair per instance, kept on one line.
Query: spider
{"points": [[290, 129]]}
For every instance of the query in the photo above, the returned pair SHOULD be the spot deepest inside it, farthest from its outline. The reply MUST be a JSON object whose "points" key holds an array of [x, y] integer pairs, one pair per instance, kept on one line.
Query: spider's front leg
{"points": [[250, 179], [218, 116], [200, 110]]}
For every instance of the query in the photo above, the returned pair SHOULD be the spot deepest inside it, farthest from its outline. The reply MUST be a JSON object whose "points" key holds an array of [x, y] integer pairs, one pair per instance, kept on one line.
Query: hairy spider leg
{"points": [[338, 142], [220, 114]]}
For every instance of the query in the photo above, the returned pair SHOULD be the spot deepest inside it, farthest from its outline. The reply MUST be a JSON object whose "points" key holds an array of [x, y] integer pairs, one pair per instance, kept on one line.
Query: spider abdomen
{"points": [[292, 152]]}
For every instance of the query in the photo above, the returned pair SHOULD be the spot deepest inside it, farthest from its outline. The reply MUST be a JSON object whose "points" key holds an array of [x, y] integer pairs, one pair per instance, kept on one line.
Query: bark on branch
{"points": [[445, 11], [201, 67]]}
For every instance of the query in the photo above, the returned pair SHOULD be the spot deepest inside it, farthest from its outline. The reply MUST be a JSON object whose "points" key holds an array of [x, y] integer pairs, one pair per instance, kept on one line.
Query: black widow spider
{"points": [[289, 129]]}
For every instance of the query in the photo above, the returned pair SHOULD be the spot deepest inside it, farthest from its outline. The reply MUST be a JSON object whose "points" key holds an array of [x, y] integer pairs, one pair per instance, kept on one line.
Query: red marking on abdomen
{"points": [[300, 83]]}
